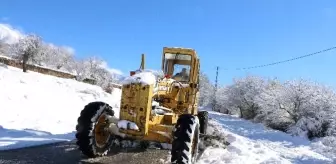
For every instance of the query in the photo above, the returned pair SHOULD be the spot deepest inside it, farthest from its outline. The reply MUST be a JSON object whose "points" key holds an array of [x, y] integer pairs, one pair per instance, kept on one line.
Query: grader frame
{"points": [[136, 101], [177, 101]]}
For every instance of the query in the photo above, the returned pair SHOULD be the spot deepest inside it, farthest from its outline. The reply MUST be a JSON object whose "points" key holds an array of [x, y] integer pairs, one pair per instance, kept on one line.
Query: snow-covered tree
{"points": [[56, 57], [241, 95], [80, 69], [4, 48], [222, 100], [93, 68], [27, 49], [272, 110], [206, 90], [311, 106], [103, 77]]}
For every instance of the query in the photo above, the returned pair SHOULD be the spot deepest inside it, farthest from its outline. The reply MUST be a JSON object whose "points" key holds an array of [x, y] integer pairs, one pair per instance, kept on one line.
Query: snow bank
{"points": [[326, 146], [43, 103], [253, 143], [12, 138]]}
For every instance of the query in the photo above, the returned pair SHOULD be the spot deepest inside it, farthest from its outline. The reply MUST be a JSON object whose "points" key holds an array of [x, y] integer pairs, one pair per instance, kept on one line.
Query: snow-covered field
{"points": [[38, 109]]}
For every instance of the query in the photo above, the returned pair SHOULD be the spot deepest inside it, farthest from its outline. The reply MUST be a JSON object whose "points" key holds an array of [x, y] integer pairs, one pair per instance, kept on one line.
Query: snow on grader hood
{"points": [[159, 106]]}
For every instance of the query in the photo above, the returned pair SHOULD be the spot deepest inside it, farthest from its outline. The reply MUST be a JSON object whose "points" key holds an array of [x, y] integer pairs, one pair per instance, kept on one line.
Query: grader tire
{"points": [[86, 134], [185, 140], [203, 117]]}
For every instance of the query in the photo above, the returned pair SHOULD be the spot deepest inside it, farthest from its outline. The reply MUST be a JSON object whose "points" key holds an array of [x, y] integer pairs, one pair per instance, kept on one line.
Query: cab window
{"points": [[177, 66]]}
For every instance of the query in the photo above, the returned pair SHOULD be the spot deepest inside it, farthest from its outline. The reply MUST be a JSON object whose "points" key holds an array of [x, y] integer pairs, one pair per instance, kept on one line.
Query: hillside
{"points": [[42, 108]]}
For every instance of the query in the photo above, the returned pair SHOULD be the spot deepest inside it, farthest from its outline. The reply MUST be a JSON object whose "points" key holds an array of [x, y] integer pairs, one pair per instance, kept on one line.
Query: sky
{"points": [[226, 33]]}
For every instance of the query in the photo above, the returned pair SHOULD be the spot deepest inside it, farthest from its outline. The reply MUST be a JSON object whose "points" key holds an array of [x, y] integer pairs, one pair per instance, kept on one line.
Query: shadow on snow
{"points": [[14, 139]]}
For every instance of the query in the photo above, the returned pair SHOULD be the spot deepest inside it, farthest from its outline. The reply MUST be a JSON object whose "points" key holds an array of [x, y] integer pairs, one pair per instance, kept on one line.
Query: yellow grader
{"points": [[165, 111]]}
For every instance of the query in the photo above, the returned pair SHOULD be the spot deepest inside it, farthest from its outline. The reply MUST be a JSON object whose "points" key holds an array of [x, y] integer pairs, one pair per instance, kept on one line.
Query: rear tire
{"points": [[86, 135], [203, 117], [185, 140]]}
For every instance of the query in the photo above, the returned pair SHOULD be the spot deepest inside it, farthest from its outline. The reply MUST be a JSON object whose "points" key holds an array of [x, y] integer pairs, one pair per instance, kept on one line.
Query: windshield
{"points": [[177, 56], [177, 66]]}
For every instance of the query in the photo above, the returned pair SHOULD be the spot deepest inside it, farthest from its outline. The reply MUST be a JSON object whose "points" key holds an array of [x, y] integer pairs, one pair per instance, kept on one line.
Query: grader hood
{"points": [[135, 106]]}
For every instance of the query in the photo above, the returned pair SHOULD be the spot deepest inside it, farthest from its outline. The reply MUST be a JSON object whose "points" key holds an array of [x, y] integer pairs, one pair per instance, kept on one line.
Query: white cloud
{"points": [[8, 34], [112, 70]]}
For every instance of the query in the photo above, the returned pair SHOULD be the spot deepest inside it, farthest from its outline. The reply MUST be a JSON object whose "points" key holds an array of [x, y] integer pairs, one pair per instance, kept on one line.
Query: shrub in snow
{"points": [[109, 88], [311, 107], [299, 107]]}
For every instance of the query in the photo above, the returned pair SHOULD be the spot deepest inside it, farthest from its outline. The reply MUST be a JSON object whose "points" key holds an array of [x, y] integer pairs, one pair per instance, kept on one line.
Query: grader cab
{"points": [[153, 108]]}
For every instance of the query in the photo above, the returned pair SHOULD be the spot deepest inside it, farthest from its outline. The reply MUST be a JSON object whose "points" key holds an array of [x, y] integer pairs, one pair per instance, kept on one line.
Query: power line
{"points": [[285, 61]]}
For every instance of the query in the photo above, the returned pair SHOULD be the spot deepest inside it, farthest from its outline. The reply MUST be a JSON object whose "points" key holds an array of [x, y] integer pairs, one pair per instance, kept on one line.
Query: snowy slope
{"points": [[38, 109], [254, 144]]}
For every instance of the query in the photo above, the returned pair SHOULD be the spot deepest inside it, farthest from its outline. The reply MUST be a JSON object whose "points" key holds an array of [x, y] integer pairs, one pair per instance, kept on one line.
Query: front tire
{"points": [[92, 139], [185, 140]]}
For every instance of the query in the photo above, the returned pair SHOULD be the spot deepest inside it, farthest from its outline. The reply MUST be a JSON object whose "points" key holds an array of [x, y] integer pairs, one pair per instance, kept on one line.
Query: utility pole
{"points": [[214, 104]]}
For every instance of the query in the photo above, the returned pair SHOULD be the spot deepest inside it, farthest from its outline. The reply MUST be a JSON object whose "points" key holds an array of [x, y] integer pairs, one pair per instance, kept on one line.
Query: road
{"points": [[67, 153]]}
